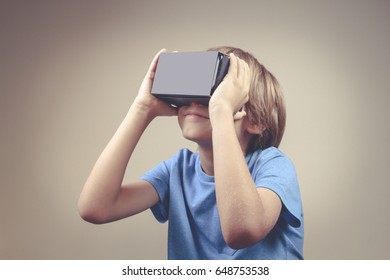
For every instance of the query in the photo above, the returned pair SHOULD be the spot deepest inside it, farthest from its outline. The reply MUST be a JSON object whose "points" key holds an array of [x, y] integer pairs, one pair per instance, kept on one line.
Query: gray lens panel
{"points": [[185, 73]]}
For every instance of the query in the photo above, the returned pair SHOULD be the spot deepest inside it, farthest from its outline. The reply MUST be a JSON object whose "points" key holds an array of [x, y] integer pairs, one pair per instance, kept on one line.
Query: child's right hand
{"points": [[146, 101]]}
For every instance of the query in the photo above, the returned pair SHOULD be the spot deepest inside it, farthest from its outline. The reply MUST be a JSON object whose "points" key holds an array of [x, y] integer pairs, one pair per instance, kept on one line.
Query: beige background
{"points": [[69, 71]]}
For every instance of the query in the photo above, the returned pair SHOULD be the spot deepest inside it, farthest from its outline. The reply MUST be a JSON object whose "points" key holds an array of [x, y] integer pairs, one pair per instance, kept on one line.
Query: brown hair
{"points": [[266, 105]]}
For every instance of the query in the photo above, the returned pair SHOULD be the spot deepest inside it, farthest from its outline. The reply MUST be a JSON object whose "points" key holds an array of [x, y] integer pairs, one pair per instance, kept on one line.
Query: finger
{"points": [[247, 76], [165, 109], [233, 65], [153, 64], [172, 111], [242, 68], [239, 115], [149, 76], [244, 74]]}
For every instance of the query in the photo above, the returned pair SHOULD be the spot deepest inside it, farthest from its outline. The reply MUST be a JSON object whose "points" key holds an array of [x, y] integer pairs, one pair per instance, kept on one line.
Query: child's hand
{"points": [[232, 92], [146, 100]]}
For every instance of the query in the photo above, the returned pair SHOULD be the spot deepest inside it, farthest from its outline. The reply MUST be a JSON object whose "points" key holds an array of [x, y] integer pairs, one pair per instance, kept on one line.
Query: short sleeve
{"points": [[277, 173], [159, 178]]}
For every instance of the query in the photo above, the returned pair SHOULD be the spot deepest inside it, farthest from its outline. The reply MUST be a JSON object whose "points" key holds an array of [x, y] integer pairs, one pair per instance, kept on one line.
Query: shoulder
{"points": [[184, 158], [273, 170], [270, 158]]}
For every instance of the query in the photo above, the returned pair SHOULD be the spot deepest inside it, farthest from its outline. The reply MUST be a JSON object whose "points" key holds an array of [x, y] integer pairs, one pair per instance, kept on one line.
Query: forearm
{"points": [[105, 180], [239, 205]]}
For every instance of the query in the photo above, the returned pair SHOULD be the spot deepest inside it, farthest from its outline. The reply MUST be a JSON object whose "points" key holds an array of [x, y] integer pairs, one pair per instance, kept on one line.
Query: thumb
{"points": [[239, 115]]}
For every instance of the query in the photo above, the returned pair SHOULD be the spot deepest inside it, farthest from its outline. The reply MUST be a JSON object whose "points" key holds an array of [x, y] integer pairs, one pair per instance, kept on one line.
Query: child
{"points": [[236, 198]]}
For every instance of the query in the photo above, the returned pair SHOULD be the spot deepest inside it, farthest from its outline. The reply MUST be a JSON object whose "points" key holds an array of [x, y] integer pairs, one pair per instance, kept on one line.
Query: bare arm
{"points": [[103, 198], [247, 213]]}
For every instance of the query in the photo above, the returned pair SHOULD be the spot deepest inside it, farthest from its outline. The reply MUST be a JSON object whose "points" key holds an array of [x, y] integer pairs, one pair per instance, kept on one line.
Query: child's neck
{"points": [[206, 159]]}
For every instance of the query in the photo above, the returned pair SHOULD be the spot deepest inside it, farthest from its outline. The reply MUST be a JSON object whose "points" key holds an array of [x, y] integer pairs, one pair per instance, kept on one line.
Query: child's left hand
{"points": [[233, 92]]}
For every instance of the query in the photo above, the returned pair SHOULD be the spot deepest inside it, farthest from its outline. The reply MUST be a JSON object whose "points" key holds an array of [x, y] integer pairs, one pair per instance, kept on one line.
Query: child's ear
{"points": [[255, 129]]}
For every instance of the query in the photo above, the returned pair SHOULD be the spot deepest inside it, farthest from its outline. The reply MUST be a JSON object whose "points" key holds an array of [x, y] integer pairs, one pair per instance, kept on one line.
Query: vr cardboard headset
{"points": [[185, 77]]}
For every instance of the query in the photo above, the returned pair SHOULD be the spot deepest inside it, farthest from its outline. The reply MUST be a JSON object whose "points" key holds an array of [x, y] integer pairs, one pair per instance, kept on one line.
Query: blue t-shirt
{"points": [[187, 200]]}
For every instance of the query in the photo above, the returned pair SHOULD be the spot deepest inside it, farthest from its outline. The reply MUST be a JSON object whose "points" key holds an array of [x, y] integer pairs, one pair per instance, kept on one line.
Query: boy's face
{"points": [[195, 123]]}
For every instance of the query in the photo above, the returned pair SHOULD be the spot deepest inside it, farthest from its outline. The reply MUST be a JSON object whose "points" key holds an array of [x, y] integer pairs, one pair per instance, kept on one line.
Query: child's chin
{"points": [[197, 138]]}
